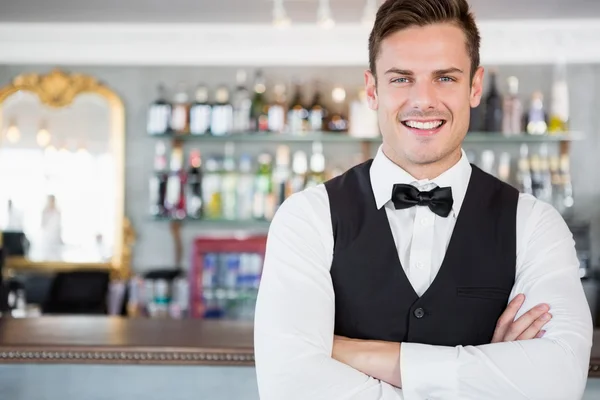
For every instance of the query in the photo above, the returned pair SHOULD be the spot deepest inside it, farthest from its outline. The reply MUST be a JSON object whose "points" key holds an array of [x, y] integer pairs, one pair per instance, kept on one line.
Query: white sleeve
{"points": [[554, 367], [294, 319]]}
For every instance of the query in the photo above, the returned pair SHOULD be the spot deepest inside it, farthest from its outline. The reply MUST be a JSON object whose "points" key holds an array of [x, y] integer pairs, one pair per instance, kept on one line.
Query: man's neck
{"points": [[424, 171]]}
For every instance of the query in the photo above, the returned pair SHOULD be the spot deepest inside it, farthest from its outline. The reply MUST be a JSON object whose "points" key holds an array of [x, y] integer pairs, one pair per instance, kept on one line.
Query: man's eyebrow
{"points": [[399, 71], [446, 71]]}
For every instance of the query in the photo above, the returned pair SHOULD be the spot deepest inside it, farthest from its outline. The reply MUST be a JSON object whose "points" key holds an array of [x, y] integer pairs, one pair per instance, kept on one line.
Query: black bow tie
{"points": [[439, 200]]}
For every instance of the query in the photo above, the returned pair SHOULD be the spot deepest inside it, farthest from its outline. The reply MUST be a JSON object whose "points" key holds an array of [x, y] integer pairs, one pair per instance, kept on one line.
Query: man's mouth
{"points": [[424, 125]]}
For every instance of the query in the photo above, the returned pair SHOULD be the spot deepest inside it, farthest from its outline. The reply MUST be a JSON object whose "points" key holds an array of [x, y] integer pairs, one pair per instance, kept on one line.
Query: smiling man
{"points": [[416, 275]]}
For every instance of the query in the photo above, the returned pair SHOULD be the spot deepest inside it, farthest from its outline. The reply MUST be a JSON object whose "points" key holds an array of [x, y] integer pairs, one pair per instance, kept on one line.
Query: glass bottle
{"points": [[222, 113], [493, 107], [242, 104], [159, 114], [180, 123], [200, 112]]}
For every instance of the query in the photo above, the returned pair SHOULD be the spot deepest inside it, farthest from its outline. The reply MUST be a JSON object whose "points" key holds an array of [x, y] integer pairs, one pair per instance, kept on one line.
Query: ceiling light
{"points": [[324, 18], [280, 18], [369, 13]]}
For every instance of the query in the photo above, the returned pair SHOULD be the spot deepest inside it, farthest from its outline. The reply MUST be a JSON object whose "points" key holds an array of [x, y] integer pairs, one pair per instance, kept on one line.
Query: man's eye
{"points": [[400, 80], [447, 79]]}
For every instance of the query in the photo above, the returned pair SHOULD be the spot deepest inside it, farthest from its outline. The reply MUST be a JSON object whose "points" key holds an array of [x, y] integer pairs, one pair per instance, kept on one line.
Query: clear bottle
{"points": [[222, 113], [281, 175], [242, 104], [180, 123], [263, 187], [559, 110], [229, 185], [211, 189], [316, 175], [546, 176], [159, 114], [299, 172], [513, 109], [200, 112], [524, 171], [536, 116], [245, 188], [175, 196], [278, 110]]}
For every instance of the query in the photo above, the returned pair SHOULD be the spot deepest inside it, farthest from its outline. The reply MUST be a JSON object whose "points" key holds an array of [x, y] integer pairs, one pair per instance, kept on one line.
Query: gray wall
{"points": [[136, 85]]}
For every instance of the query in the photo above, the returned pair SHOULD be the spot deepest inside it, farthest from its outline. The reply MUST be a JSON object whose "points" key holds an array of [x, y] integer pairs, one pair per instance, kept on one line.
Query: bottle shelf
{"points": [[259, 225], [332, 137]]}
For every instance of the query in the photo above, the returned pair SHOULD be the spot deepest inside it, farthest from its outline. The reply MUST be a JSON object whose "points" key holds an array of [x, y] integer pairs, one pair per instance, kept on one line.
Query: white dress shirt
{"points": [[294, 320]]}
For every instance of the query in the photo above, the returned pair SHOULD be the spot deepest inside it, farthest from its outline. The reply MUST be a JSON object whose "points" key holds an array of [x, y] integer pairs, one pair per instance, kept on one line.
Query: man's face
{"points": [[423, 93]]}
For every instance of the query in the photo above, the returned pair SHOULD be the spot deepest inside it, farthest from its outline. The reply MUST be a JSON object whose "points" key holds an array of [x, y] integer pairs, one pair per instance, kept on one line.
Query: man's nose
{"points": [[423, 96]]}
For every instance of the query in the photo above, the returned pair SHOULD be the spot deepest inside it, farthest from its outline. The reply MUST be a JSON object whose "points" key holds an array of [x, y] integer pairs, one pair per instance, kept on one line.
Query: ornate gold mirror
{"points": [[62, 174]]}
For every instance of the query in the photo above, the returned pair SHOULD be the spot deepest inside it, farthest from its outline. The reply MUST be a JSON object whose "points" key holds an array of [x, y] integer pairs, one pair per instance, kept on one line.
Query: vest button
{"points": [[419, 313]]}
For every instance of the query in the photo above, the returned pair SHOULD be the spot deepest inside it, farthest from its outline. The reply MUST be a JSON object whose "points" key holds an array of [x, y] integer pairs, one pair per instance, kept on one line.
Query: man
{"points": [[392, 281]]}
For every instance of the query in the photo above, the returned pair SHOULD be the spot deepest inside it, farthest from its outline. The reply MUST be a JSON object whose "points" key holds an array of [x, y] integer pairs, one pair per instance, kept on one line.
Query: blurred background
{"points": [[146, 145]]}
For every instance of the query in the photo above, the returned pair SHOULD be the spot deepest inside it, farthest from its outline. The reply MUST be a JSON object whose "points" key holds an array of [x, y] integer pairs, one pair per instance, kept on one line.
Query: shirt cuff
{"points": [[429, 372]]}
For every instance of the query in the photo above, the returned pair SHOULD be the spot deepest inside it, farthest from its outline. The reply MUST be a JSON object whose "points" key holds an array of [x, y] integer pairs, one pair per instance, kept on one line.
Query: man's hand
{"points": [[378, 359], [528, 326]]}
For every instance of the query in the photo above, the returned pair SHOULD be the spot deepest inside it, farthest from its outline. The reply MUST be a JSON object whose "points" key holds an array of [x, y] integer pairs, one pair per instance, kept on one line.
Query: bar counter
{"points": [[117, 358], [113, 340]]}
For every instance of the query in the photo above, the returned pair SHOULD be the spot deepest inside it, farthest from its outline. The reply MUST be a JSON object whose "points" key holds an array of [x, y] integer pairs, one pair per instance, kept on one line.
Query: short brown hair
{"points": [[395, 15]]}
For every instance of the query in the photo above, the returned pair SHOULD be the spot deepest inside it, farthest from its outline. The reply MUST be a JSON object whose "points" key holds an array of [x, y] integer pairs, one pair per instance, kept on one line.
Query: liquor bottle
{"points": [[211, 189], [513, 109], [175, 196], [299, 172], [181, 110], [193, 198], [281, 175], [487, 161], [278, 110], [536, 175], [245, 188], [493, 107], [316, 175], [222, 113], [337, 122], [229, 184], [200, 112], [545, 176], [363, 120], [262, 188], [535, 119], [557, 186], [297, 114], [317, 112], [504, 167], [524, 171], [159, 114], [567, 187], [242, 104], [158, 182], [260, 109], [559, 110]]}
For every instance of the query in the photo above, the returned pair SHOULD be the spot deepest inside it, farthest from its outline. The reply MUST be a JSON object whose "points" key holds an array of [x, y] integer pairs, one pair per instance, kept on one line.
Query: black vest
{"points": [[373, 296]]}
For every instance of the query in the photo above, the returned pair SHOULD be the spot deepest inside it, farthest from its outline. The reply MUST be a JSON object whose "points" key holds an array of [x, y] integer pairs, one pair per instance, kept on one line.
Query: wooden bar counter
{"points": [[112, 340], [116, 358]]}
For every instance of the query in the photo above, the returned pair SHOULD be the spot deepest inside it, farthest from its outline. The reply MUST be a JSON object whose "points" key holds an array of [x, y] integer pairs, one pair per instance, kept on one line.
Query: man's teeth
{"points": [[424, 125]]}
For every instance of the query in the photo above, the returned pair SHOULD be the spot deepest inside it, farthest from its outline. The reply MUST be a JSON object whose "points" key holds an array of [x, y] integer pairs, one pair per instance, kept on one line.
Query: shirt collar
{"points": [[385, 174]]}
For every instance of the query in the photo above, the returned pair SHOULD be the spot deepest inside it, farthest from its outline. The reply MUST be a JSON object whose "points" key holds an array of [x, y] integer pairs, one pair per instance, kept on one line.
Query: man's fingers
{"points": [[524, 321], [534, 329], [507, 317], [541, 334]]}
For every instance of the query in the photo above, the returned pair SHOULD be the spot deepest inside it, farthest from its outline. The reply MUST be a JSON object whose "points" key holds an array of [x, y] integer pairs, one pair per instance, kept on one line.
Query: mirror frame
{"points": [[59, 89]]}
